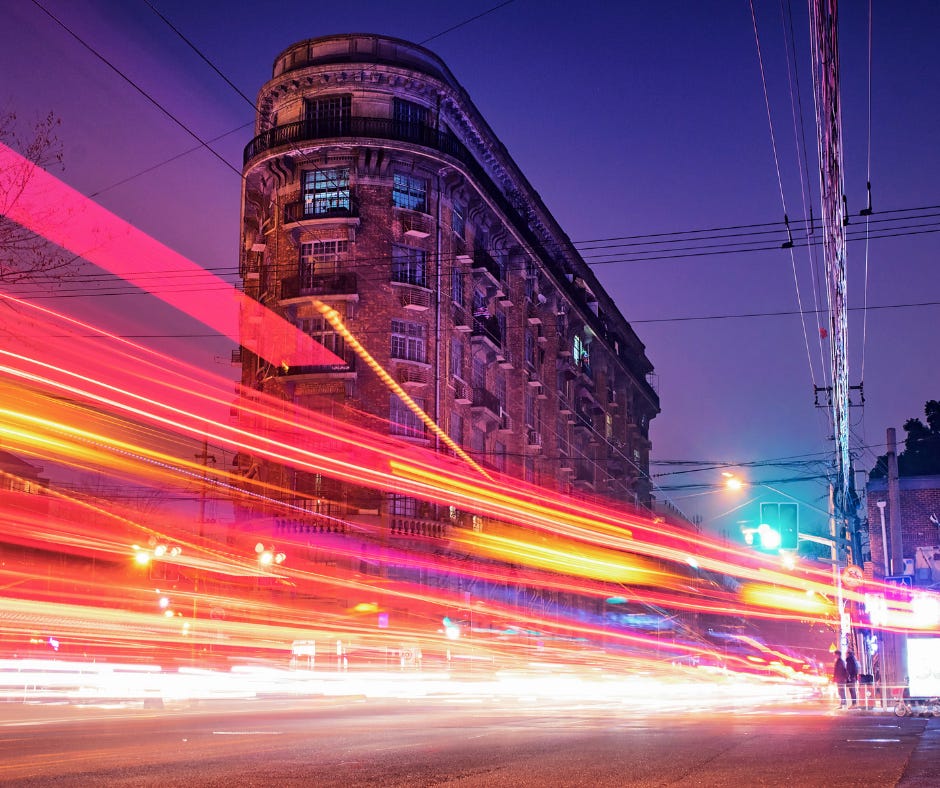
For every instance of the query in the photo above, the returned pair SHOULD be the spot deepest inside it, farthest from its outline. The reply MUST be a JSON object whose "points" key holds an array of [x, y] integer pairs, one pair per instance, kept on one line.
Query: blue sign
{"points": [[901, 580]]}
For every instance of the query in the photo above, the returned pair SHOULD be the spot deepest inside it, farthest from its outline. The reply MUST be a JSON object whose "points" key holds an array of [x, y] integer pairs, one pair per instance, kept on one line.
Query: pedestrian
{"points": [[851, 675], [840, 677]]}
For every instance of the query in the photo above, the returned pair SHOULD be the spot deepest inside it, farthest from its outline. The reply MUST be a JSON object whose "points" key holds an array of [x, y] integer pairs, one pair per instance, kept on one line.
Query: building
{"points": [[918, 528], [374, 185]]}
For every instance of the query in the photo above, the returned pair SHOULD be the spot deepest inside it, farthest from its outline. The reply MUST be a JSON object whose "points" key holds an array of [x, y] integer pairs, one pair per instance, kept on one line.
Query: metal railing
{"points": [[444, 142]]}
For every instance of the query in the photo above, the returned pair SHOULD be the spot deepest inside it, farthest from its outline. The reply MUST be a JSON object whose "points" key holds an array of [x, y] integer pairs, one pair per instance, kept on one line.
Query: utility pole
{"points": [[205, 458], [894, 505], [824, 20]]}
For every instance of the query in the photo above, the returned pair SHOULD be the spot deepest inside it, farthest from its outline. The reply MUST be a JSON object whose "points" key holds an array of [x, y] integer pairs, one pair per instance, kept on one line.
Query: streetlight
{"points": [[732, 482]]}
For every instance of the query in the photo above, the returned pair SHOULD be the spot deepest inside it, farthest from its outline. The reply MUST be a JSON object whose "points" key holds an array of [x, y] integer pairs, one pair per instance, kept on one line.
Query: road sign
{"points": [[852, 576], [901, 580], [903, 587]]}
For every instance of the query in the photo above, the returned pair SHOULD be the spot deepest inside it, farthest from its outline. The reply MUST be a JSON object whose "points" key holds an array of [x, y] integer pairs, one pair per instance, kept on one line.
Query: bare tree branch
{"points": [[25, 256]]}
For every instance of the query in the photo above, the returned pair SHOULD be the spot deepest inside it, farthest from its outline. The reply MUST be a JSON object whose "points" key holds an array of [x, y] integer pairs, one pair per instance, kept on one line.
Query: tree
{"points": [[921, 455], [25, 256]]}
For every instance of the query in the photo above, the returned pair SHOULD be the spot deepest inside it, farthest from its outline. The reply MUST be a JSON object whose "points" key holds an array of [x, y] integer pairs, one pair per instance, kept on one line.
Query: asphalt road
{"points": [[359, 742]]}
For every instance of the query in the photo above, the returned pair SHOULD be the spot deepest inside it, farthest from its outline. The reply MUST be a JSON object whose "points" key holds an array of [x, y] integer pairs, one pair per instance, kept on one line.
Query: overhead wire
{"points": [[203, 143], [789, 243], [796, 112]]}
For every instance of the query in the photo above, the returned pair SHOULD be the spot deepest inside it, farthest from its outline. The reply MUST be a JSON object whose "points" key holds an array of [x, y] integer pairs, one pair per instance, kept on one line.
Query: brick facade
{"points": [[373, 184], [920, 537]]}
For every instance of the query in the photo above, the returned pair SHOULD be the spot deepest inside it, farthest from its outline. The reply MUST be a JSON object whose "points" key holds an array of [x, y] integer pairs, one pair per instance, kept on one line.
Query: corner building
{"points": [[374, 185]]}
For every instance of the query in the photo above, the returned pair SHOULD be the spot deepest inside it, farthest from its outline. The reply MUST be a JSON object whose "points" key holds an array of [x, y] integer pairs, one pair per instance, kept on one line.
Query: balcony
{"points": [[344, 284], [504, 359], [461, 255], [461, 321], [583, 421], [532, 315], [486, 331], [584, 473], [415, 527], [376, 128], [293, 135], [483, 263], [463, 394], [345, 370], [486, 404], [304, 211]]}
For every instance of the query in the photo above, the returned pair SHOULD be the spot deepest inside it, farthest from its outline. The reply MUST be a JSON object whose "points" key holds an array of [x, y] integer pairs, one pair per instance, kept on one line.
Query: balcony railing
{"points": [[335, 284], [298, 132], [483, 262], [300, 210], [486, 400], [377, 128], [487, 329], [348, 356]]}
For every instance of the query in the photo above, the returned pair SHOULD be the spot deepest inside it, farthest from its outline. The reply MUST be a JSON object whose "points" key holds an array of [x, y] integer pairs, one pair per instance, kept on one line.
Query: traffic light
{"points": [[789, 526], [781, 520]]}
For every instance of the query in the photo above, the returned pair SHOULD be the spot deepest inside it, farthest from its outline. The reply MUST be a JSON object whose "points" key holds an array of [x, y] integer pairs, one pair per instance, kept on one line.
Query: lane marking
{"points": [[247, 733]]}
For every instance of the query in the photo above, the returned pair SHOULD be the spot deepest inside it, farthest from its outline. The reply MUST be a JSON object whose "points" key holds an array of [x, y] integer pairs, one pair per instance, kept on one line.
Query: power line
{"points": [[136, 87], [466, 22]]}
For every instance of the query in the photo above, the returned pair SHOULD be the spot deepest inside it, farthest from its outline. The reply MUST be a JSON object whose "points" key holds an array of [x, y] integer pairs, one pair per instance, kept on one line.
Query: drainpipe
{"points": [[437, 316]]}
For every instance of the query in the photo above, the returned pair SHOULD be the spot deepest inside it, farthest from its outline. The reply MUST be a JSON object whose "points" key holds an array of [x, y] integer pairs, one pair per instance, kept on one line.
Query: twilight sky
{"points": [[638, 122]]}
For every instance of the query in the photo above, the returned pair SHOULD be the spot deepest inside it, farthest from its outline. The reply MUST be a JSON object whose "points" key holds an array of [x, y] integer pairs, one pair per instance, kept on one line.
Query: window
{"points": [[477, 441], [501, 389], [329, 115], [320, 258], [531, 280], [402, 506], [529, 470], [478, 373], [456, 428], [409, 341], [480, 305], [499, 456], [529, 409], [326, 191], [408, 265], [409, 192], [404, 421], [409, 117], [458, 214], [456, 285], [529, 349], [579, 351], [322, 332], [456, 357]]}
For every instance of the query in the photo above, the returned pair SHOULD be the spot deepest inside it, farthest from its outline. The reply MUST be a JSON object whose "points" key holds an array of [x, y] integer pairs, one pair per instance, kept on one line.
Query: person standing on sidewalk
{"points": [[851, 675], [840, 677]]}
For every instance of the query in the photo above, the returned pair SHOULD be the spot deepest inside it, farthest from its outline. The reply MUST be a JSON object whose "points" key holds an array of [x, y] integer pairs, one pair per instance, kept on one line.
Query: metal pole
{"points": [[884, 535]]}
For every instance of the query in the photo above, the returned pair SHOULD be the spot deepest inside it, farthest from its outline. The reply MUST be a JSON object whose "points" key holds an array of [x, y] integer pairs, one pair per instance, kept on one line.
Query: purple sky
{"points": [[629, 119]]}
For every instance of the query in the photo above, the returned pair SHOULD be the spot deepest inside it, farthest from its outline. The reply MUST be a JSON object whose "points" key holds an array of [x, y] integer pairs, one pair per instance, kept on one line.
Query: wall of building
{"points": [[517, 352], [920, 536]]}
